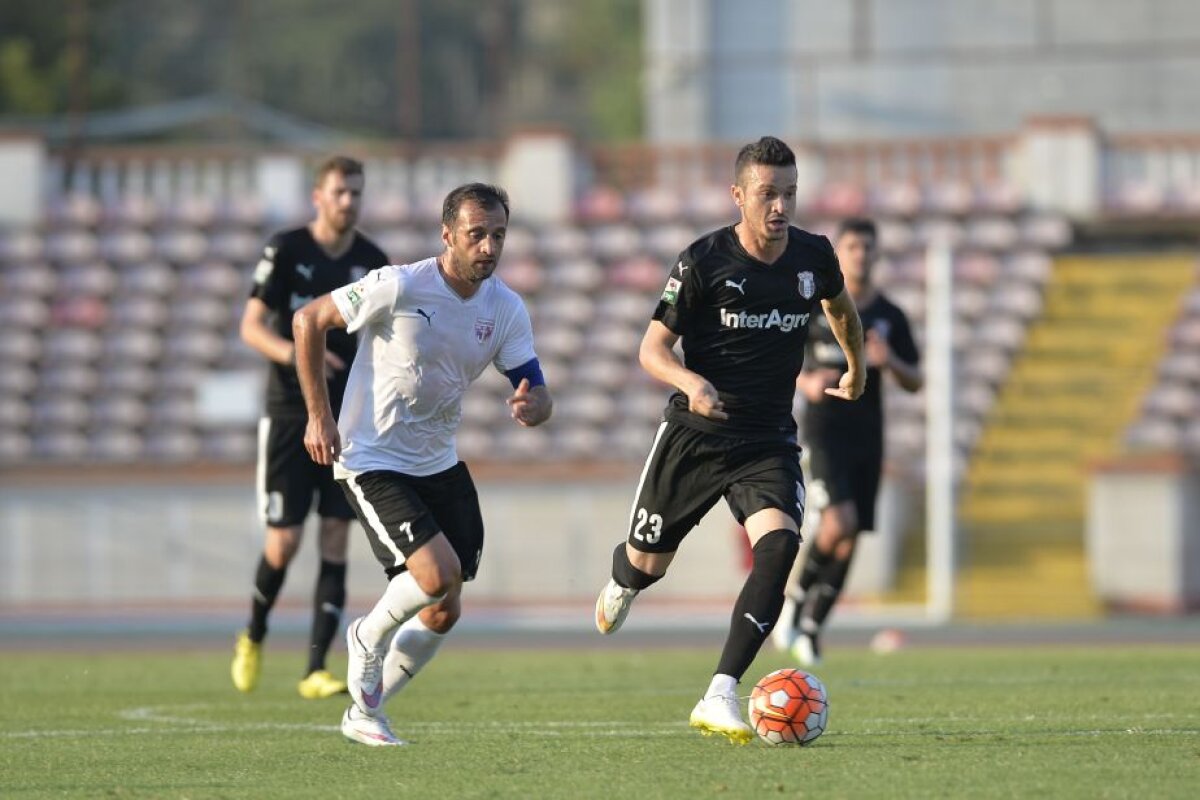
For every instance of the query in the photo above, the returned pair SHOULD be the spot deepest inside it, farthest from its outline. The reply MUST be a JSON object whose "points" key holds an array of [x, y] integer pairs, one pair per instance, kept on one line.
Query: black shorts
{"points": [[402, 512], [846, 468], [288, 477], [688, 470]]}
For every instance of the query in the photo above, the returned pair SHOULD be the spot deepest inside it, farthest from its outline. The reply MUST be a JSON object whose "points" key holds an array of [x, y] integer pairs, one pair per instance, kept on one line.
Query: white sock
{"points": [[412, 648], [722, 685], [400, 600]]}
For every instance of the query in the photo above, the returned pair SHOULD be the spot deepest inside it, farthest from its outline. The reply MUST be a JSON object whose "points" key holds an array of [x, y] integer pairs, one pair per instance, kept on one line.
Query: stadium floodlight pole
{"points": [[940, 488]]}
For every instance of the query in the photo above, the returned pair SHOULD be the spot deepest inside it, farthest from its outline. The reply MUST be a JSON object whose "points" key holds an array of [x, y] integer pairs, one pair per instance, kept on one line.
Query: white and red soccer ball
{"points": [[789, 706]]}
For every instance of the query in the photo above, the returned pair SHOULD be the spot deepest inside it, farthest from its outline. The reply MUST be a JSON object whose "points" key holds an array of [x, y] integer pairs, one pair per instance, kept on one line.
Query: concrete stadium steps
{"points": [[1076, 384]]}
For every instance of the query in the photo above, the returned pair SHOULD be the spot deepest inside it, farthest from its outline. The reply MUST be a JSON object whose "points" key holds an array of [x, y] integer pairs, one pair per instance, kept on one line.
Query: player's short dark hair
{"points": [[485, 194], [343, 165], [767, 151], [858, 225]]}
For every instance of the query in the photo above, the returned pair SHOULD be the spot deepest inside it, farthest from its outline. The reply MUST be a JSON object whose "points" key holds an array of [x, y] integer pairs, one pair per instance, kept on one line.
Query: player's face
{"points": [[856, 253], [475, 241], [338, 200], [767, 198]]}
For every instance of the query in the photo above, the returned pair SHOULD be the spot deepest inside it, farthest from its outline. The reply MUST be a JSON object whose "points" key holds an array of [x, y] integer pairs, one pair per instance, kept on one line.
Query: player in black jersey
{"points": [[298, 265], [740, 300], [845, 440]]}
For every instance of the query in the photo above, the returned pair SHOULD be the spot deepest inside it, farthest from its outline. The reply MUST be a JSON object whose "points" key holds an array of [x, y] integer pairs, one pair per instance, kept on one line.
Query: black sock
{"points": [[328, 602], [626, 574], [814, 564], [757, 607], [267, 582], [826, 593]]}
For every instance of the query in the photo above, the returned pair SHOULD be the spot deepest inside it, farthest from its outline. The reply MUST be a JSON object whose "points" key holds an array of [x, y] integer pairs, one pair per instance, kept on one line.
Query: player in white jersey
{"points": [[428, 330]]}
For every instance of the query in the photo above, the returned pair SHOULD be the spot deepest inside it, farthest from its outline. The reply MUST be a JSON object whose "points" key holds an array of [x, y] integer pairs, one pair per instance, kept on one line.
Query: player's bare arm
{"points": [[847, 329], [321, 438], [530, 406], [258, 334], [657, 356], [879, 354]]}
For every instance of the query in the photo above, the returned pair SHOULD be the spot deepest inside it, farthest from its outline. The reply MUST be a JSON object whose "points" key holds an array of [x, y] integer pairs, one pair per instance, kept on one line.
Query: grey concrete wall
{"points": [[103, 544], [732, 70]]}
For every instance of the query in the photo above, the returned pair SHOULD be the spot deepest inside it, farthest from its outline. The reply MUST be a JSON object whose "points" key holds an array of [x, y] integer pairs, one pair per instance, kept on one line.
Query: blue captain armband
{"points": [[531, 369]]}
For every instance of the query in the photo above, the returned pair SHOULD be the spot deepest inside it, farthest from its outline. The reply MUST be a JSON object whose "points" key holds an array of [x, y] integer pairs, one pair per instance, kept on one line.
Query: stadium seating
{"points": [[113, 312]]}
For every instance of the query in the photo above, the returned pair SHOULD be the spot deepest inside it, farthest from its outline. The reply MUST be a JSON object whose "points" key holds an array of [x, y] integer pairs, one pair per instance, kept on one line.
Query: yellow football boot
{"points": [[247, 663], [320, 684]]}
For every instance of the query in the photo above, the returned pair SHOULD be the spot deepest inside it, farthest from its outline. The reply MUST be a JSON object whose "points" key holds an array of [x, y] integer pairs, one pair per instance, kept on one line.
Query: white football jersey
{"points": [[421, 346]]}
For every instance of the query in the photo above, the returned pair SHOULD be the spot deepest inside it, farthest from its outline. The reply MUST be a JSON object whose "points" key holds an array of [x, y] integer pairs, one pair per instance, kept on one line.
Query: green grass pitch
{"points": [[607, 723]]}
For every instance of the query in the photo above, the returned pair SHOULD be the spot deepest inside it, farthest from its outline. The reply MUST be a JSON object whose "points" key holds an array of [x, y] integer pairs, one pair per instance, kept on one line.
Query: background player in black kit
{"points": [[297, 266], [845, 440], [739, 299]]}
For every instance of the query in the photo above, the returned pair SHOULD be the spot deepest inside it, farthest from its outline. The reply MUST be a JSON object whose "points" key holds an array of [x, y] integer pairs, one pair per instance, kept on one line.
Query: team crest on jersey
{"points": [[808, 286], [484, 329], [670, 295]]}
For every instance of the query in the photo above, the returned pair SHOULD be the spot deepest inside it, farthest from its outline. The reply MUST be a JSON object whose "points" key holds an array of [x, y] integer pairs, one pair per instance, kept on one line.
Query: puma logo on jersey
{"points": [[305, 271], [682, 267], [762, 626], [428, 316], [740, 286]]}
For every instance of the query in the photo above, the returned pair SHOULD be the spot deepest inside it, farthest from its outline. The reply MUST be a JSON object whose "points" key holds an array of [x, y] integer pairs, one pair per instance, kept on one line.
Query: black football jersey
{"points": [[743, 324], [294, 270], [864, 415]]}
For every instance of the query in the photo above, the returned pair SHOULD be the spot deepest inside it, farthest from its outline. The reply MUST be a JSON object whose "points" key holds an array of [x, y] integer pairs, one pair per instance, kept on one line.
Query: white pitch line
{"points": [[167, 720]]}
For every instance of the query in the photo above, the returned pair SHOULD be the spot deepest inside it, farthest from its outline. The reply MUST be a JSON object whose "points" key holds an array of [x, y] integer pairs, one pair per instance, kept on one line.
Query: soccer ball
{"points": [[789, 706]]}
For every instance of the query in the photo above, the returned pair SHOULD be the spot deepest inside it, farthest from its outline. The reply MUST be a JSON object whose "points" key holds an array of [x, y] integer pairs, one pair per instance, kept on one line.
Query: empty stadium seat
{"points": [[71, 245], [180, 245], [91, 278], [600, 204], [59, 445], [21, 245], [15, 412], [126, 246], [132, 345], [124, 378], [122, 411], [524, 274], [615, 241], [15, 446], [114, 445], [58, 411], [639, 273], [149, 277], [68, 378], [71, 345], [234, 446], [242, 247], [18, 345], [563, 243], [171, 445], [896, 199], [139, 311], [1154, 434]]}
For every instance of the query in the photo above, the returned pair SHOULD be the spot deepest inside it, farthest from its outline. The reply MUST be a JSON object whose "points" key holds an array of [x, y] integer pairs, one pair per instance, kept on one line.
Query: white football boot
{"points": [[721, 713], [612, 606], [783, 635], [373, 731], [807, 649], [364, 671]]}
